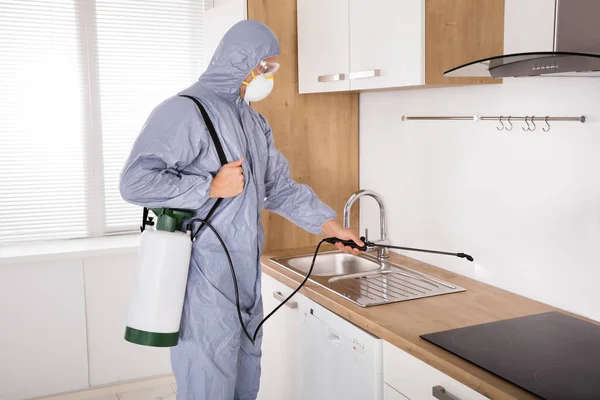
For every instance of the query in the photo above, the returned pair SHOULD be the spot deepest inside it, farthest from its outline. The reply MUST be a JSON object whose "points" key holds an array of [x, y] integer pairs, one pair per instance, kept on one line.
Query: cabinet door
{"points": [[109, 284], [279, 379], [416, 379], [323, 46], [387, 43], [42, 322]]}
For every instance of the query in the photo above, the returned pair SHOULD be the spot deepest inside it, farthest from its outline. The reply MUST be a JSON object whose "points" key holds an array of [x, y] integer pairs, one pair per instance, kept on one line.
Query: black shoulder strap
{"points": [[222, 159], [211, 129], [220, 152]]}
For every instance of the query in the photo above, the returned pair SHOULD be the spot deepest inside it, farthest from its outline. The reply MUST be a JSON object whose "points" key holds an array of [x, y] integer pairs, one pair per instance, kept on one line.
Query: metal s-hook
{"points": [[544, 129], [503, 127], [528, 128], [511, 125], [533, 122]]}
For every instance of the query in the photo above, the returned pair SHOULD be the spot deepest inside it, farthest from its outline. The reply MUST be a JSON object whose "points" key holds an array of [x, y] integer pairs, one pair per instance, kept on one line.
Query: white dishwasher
{"points": [[338, 359]]}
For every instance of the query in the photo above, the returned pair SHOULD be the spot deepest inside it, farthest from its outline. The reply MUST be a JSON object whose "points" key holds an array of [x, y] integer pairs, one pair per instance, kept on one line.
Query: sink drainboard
{"points": [[389, 286], [367, 281]]}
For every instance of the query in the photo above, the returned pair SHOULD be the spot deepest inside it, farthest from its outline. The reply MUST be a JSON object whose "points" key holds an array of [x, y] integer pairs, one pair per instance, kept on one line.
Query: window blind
{"points": [[147, 50], [43, 175], [78, 80]]}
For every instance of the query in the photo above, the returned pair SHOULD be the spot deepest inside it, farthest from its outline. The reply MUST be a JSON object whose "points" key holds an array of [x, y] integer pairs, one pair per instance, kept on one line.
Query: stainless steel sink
{"points": [[366, 280], [333, 264]]}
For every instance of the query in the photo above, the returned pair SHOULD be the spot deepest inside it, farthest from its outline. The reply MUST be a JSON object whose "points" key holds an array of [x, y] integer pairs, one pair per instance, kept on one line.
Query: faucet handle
{"points": [[366, 235]]}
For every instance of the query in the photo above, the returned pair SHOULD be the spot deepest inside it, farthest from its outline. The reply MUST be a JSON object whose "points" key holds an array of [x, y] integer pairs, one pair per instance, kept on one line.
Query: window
{"points": [[78, 78]]}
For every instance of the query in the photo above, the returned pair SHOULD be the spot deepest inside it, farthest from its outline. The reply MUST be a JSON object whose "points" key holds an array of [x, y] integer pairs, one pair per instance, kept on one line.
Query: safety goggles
{"points": [[267, 68]]}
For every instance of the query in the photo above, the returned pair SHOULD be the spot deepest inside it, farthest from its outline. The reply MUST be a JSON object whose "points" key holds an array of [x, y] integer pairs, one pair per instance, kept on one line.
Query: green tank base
{"points": [[153, 339]]}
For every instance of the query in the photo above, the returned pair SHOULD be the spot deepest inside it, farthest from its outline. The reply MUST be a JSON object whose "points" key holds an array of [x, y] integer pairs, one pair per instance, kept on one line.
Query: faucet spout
{"points": [[382, 252]]}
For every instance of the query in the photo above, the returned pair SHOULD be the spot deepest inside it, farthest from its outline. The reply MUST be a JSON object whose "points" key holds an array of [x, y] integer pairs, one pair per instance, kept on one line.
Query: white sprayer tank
{"points": [[157, 302]]}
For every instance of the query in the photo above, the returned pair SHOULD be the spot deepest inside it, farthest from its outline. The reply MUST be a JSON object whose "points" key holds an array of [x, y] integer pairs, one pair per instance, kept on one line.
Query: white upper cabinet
{"points": [[359, 45], [387, 44], [379, 44], [323, 47]]}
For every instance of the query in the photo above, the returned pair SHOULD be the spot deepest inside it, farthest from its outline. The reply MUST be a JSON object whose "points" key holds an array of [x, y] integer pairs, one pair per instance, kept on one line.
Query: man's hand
{"points": [[229, 181], [333, 229]]}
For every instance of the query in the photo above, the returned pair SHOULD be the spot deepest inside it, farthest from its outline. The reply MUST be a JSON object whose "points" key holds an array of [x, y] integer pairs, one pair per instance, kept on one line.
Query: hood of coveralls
{"points": [[241, 49]]}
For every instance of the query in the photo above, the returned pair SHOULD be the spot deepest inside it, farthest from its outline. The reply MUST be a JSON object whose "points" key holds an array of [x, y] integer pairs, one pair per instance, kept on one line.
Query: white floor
{"points": [[153, 389]]}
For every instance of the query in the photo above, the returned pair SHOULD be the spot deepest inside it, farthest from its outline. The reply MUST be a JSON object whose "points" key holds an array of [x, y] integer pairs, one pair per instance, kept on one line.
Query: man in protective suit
{"points": [[174, 164]]}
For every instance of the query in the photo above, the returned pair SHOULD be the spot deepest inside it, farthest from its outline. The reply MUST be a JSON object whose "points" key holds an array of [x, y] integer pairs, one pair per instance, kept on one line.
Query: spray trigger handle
{"points": [[348, 243]]}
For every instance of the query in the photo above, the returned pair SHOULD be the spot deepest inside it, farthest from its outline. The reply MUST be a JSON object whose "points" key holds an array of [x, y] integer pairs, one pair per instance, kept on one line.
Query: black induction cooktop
{"points": [[552, 355]]}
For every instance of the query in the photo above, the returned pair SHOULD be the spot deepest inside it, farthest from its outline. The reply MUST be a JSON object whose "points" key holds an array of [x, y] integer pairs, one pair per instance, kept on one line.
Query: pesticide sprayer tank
{"points": [[162, 271]]}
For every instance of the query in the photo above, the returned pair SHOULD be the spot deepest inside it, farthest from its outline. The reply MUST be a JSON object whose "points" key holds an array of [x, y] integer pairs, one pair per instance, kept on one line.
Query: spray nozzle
{"points": [[463, 255]]}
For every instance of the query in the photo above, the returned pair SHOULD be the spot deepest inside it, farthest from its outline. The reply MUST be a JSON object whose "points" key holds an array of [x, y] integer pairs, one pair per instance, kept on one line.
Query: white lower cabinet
{"points": [[42, 329], [311, 353], [62, 321], [280, 348], [109, 283], [415, 379]]}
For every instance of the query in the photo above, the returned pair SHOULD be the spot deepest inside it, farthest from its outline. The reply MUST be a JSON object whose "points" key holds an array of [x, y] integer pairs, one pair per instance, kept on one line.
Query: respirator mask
{"points": [[262, 82]]}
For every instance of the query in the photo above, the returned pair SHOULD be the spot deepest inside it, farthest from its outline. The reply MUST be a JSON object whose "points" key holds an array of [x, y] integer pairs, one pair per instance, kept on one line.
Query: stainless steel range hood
{"points": [[576, 48]]}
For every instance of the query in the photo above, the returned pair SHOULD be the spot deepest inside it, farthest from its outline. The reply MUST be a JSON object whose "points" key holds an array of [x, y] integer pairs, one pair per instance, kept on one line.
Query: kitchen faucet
{"points": [[382, 252]]}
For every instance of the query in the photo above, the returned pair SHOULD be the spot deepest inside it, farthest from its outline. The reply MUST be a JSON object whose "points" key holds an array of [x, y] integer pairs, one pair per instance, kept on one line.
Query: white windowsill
{"points": [[68, 249]]}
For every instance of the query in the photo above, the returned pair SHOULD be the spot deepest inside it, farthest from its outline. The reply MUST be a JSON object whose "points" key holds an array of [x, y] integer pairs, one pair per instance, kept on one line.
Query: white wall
{"points": [[526, 205]]}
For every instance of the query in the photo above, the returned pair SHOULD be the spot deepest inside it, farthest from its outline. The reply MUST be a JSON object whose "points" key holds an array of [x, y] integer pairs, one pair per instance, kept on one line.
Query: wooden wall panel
{"points": [[317, 133]]}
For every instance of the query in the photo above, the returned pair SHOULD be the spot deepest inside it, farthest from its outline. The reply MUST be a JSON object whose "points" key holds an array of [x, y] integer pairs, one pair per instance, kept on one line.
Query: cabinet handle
{"points": [[279, 296], [372, 73], [439, 392], [332, 78]]}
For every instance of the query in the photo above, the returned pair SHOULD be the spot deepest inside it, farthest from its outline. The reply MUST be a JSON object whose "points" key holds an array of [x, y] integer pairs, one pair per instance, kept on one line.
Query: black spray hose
{"points": [[235, 284], [294, 292], [349, 243]]}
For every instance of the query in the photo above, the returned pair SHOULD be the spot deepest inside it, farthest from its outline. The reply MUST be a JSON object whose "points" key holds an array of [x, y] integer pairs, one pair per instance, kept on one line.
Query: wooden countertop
{"points": [[401, 324]]}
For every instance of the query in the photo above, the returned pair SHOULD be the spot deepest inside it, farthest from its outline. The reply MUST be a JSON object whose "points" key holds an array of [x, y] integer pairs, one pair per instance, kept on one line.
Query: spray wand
{"points": [[350, 243]]}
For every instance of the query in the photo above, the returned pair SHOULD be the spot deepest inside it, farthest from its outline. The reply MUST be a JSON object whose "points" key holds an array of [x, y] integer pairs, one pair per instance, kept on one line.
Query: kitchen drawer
{"points": [[416, 379]]}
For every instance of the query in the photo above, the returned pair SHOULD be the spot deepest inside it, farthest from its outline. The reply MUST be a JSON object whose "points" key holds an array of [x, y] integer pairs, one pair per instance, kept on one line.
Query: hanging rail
{"points": [[501, 119], [504, 117]]}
